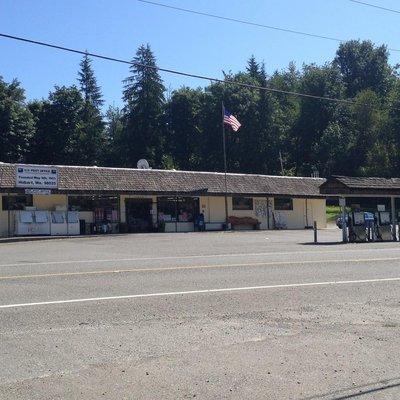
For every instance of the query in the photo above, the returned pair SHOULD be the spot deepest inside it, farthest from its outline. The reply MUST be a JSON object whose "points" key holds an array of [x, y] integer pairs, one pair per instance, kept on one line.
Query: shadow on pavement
{"points": [[357, 391], [322, 243]]}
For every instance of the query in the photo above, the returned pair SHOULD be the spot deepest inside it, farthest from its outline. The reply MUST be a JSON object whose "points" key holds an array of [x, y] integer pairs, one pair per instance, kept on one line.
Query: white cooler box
{"points": [[73, 223], [24, 224], [42, 222], [58, 223]]}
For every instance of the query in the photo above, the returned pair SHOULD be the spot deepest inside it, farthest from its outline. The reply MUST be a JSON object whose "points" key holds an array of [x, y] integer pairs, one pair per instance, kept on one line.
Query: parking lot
{"points": [[223, 315]]}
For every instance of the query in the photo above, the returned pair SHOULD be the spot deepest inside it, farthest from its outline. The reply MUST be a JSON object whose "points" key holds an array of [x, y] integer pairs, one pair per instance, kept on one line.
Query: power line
{"points": [[374, 6], [245, 22], [241, 21], [176, 72]]}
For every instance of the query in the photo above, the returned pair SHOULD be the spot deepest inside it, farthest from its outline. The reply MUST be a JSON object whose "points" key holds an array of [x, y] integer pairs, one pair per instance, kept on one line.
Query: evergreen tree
{"points": [[113, 137], [16, 123], [57, 138], [185, 133], [253, 68], [143, 112], [88, 83], [364, 66], [315, 115], [92, 140]]}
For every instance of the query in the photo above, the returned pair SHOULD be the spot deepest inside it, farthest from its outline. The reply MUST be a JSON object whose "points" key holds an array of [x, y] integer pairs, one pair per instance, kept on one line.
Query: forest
{"points": [[281, 133]]}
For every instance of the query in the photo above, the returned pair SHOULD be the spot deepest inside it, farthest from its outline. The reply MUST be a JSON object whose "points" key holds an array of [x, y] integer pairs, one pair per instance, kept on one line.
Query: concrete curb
{"points": [[33, 238], [18, 239]]}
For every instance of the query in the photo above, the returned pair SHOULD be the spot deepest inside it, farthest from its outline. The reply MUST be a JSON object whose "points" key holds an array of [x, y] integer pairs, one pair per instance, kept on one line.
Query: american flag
{"points": [[229, 119]]}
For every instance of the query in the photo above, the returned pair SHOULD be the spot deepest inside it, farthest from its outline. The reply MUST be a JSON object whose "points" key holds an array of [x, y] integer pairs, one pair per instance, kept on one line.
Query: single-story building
{"points": [[140, 200]]}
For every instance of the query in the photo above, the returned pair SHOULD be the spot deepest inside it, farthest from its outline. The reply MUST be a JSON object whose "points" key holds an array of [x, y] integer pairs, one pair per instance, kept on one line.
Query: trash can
{"points": [[82, 226]]}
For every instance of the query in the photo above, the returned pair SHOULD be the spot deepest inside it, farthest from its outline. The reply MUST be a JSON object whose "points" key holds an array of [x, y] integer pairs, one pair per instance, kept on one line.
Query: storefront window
{"points": [[283, 203], [105, 208], [242, 203], [181, 209], [16, 202]]}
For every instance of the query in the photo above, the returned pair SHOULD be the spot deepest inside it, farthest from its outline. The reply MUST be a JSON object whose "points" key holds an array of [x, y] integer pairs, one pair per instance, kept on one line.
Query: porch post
{"points": [[393, 211], [342, 202]]}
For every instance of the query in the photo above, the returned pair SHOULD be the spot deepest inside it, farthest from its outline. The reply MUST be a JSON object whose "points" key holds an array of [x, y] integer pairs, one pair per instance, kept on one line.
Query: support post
{"points": [[66, 200], [393, 213], [176, 213], [315, 232], [342, 202], [8, 214]]}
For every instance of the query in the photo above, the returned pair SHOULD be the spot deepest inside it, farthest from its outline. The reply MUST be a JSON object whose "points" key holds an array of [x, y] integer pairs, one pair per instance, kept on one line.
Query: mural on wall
{"points": [[280, 221], [263, 209]]}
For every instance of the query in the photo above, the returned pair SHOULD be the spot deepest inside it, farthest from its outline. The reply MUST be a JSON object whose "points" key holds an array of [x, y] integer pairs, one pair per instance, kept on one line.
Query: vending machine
{"points": [[357, 230]]}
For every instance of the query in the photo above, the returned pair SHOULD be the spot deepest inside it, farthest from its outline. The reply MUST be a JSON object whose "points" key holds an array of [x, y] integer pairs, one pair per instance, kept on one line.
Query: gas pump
{"points": [[357, 231], [384, 226]]}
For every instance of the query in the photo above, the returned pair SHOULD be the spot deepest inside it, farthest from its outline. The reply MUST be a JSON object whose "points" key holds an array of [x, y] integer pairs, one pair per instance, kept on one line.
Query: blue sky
{"points": [[180, 41]]}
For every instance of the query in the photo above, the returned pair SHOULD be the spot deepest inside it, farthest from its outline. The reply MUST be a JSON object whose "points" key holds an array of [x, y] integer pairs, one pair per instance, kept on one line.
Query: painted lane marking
{"points": [[232, 255], [203, 291], [195, 267]]}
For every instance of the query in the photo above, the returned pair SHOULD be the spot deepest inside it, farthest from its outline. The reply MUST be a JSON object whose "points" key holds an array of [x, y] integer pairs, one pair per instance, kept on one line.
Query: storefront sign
{"points": [[36, 177], [45, 192]]}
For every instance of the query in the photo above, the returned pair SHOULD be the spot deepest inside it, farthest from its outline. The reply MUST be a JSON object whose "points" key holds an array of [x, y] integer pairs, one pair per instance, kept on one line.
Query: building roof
{"points": [[361, 185], [124, 180]]}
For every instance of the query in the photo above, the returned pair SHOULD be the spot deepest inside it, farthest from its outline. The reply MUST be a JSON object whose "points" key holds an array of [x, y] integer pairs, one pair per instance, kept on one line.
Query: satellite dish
{"points": [[143, 164]]}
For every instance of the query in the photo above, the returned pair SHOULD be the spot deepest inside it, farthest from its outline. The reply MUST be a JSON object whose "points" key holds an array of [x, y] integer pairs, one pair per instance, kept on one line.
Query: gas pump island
{"points": [[363, 228]]}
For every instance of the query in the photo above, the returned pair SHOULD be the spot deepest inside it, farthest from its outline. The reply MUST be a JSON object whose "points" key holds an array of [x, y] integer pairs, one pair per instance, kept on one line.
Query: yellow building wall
{"points": [[319, 212], [304, 212], [215, 211], [213, 207], [49, 203], [293, 219]]}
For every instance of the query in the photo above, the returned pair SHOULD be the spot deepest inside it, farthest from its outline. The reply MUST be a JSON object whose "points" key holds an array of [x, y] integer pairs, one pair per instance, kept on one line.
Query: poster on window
{"points": [[36, 177]]}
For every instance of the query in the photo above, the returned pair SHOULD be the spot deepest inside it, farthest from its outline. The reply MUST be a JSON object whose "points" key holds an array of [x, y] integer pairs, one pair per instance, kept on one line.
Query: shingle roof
{"points": [[368, 182], [102, 179]]}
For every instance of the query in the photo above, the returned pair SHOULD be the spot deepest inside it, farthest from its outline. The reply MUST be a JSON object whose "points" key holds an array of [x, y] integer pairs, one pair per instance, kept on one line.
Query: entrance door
{"points": [[138, 215]]}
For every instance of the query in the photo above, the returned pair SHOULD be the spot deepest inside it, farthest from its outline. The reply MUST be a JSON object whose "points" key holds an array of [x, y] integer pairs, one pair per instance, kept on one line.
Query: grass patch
{"points": [[332, 213]]}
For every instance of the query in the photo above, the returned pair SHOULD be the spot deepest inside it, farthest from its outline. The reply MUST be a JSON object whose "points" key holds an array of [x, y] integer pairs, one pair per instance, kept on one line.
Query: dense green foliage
{"points": [[182, 129]]}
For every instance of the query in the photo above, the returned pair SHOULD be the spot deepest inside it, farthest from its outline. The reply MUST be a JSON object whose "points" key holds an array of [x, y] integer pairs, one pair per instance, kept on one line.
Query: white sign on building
{"points": [[36, 177]]}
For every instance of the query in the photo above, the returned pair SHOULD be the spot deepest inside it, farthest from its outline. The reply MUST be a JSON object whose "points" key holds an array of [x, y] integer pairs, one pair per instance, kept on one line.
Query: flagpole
{"points": [[226, 186]]}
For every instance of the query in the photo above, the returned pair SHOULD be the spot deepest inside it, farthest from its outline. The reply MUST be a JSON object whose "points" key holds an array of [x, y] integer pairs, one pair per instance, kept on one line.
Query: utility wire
{"points": [[374, 6], [240, 21], [176, 72]]}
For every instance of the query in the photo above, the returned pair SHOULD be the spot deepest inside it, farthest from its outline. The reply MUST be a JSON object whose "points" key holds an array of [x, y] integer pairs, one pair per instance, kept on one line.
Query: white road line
{"points": [[232, 255], [223, 290]]}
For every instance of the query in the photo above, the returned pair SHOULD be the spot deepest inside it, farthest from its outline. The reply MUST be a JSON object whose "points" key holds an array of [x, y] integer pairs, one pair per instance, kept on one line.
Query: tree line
{"points": [[182, 129]]}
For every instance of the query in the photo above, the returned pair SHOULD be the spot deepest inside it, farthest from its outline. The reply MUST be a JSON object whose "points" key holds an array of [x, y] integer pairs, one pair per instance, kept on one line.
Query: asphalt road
{"points": [[252, 315]]}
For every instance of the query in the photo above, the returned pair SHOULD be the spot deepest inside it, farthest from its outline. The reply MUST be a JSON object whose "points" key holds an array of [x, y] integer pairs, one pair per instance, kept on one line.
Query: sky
{"points": [[180, 41]]}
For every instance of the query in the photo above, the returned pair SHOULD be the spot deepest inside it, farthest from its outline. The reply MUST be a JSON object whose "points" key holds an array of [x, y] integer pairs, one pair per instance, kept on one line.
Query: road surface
{"points": [[244, 315]]}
